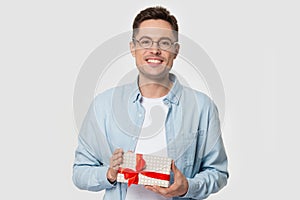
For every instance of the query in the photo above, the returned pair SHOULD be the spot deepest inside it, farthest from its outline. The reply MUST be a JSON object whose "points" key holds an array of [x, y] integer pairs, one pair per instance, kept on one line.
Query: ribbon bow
{"points": [[133, 176]]}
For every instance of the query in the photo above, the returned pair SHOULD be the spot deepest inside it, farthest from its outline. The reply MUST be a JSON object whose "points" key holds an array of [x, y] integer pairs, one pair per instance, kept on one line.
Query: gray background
{"points": [[254, 45]]}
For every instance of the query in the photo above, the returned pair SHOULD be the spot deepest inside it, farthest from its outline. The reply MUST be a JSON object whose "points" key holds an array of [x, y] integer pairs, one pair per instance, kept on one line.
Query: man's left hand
{"points": [[178, 188]]}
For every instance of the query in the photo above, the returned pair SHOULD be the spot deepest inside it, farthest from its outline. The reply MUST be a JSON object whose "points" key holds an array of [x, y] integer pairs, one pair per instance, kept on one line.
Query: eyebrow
{"points": [[158, 38]]}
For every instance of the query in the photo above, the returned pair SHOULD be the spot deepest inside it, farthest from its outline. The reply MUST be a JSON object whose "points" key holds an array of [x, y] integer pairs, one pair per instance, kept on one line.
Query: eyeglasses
{"points": [[163, 43]]}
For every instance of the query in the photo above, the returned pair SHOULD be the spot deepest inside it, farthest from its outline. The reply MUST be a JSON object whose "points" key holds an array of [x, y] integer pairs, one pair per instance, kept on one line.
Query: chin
{"points": [[156, 76]]}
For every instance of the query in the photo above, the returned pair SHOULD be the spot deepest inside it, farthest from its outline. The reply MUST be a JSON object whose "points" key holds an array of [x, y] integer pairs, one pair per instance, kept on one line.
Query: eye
{"points": [[145, 41], [165, 43]]}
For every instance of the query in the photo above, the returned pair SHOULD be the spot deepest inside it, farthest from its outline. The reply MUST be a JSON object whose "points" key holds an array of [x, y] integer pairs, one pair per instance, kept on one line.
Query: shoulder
{"points": [[191, 94], [114, 93]]}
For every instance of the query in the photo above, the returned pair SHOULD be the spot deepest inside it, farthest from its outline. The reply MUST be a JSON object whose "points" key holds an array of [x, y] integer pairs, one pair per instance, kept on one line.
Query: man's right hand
{"points": [[115, 161]]}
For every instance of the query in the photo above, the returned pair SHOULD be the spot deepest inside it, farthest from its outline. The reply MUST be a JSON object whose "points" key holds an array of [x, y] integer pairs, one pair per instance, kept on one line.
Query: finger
{"points": [[173, 166], [166, 192], [115, 162], [118, 161], [117, 156], [117, 151], [151, 188], [116, 168], [155, 189]]}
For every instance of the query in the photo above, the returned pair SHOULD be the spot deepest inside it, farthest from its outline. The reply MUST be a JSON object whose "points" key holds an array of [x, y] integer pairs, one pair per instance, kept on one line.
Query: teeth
{"points": [[154, 61]]}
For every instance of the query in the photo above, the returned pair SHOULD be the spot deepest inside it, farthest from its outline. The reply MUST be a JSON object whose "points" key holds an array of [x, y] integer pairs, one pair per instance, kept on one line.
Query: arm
{"points": [[209, 180], [92, 156], [88, 172], [213, 173]]}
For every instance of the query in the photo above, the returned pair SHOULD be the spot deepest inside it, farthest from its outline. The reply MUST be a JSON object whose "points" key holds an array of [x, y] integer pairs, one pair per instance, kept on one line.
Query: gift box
{"points": [[145, 169]]}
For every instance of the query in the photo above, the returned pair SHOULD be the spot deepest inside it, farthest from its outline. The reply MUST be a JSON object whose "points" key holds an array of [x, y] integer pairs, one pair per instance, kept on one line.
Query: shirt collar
{"points": [[173, 96]]}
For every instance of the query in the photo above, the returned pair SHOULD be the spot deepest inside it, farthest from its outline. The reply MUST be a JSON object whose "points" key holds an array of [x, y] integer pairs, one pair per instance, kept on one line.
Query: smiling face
{"points": [[155, 61]]}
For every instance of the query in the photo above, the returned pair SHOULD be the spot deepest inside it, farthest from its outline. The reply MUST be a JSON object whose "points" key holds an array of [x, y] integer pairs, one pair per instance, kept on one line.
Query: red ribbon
{"points": [[133, 176]]}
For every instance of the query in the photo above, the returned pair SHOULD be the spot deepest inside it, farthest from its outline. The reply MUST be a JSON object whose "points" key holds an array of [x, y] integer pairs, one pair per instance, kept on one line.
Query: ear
{"points": [[177, 47], [132, 48]]}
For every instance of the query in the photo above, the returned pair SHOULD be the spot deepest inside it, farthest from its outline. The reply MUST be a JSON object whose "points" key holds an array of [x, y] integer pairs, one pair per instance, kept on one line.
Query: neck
{"points": [[154, 88]]}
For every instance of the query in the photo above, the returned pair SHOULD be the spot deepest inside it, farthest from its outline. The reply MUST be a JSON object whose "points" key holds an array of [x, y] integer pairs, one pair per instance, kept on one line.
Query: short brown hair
{"points": [[156, 12]]}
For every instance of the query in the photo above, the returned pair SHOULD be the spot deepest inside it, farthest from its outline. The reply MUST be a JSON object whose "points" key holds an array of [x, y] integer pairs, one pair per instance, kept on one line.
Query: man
{"points": [[187, 129]]}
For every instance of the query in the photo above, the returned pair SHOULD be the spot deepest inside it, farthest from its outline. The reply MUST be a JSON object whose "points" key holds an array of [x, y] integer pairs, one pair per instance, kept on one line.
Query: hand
{"points": [[115, 161], [178, 188]]}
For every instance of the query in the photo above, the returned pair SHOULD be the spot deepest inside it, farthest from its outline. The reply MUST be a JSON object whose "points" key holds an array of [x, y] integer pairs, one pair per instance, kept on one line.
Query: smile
{"points": [[154, 60]]}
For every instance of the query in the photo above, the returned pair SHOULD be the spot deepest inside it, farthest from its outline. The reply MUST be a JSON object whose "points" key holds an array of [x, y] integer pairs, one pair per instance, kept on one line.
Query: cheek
{"points": [[139, 58], [139, 54], [171, 58]]}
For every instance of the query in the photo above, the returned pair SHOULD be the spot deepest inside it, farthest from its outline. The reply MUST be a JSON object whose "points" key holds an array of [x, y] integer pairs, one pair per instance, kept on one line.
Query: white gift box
{"points": [[145, 170]]}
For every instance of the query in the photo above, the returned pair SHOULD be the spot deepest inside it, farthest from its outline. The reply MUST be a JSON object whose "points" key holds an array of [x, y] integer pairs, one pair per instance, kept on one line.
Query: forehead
{"points": [[155, 29]]}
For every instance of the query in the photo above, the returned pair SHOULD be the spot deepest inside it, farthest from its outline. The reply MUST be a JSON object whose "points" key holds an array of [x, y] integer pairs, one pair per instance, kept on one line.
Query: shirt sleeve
{"points": [[88, 172], [213, 173], [92, 154]]}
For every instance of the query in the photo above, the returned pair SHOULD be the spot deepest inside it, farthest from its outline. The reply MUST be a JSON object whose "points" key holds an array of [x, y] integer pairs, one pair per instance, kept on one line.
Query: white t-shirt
{"points": [[152, 140]]}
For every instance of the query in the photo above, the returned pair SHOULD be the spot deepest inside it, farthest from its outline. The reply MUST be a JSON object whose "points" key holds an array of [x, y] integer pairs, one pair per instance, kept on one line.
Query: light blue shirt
{"points": [[193, 136]]}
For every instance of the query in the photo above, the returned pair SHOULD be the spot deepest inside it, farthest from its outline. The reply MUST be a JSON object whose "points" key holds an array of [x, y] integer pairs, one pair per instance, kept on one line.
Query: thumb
{"points": [[173, 166]]}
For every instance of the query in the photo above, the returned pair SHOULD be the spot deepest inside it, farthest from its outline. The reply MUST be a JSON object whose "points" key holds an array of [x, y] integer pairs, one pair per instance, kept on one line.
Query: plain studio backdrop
{"points": [[253, 44]]}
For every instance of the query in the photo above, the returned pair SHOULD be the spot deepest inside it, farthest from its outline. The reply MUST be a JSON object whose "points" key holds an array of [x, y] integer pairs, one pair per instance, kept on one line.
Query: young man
{"points": [[186, 129]]}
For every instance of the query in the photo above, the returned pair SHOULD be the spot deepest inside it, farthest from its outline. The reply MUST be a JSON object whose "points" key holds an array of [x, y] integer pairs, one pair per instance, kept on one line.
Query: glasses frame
{"points": [[152, 42]]}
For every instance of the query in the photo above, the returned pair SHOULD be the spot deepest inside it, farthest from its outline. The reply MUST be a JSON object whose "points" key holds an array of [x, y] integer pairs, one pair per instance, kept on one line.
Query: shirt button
{"points": [[140, 115]]}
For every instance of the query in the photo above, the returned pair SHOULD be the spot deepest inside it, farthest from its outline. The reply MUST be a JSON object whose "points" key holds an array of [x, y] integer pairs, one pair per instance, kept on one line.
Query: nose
{"points": [[155, 49]]}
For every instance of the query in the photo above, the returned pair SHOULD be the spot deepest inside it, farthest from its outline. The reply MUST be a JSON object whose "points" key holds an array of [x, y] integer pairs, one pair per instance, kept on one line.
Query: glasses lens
{"points": [[146, 42], [165, 44]]}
